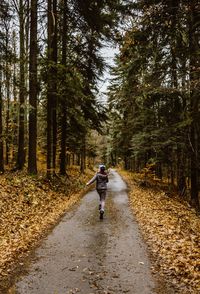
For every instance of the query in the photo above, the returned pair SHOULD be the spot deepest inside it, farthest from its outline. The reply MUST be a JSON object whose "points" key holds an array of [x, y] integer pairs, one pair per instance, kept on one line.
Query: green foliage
{"points": [[150, 95]]}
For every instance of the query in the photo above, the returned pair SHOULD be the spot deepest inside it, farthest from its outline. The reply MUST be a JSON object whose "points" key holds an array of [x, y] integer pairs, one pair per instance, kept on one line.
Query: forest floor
{"points": [[29, 207], [86, 255], [171, 229]]}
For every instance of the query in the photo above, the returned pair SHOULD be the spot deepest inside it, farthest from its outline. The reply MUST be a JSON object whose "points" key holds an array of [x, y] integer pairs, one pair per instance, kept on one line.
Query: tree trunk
{"points": [[159, 171], [1, 127], [32, 156], [51, 87], [63, 142], [173, 5], [49, 91], [181, 171], [83, 156], [21, 153], [7, 123], [7, 82], [54, 48], [15, 103], [63, 102], [26, 73], [194, 102]]}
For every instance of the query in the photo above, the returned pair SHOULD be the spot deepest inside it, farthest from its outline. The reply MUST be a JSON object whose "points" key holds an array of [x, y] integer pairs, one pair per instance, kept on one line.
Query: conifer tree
{"points": [[157, 74]]}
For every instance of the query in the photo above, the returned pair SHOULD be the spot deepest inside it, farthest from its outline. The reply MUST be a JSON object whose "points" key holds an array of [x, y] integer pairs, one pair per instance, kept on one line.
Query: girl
{"points": [[101, 179]]}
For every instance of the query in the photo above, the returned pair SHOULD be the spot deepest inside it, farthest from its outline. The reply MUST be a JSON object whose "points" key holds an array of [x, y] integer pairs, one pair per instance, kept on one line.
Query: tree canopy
{"points": [[50, 67], [153, 98]]}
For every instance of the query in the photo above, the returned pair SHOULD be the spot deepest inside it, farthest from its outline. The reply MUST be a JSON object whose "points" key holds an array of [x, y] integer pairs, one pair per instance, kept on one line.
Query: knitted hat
{"points": [[102, 167]]}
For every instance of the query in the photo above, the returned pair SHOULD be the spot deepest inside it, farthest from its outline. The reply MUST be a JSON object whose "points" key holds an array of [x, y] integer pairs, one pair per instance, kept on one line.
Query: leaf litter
{"points": [[171, 229], [29, 207]]}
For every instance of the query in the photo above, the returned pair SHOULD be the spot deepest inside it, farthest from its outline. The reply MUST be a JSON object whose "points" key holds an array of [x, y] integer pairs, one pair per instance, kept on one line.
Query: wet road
{"points": [[86, 255]]}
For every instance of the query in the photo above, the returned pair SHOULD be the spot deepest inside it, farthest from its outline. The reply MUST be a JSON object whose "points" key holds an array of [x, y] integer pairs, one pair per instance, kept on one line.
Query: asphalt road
{"points": [[84, 254]]}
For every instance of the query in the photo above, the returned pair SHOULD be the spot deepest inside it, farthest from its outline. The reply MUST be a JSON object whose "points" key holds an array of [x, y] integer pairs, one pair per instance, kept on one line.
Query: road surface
{"points": [[86, 255]]}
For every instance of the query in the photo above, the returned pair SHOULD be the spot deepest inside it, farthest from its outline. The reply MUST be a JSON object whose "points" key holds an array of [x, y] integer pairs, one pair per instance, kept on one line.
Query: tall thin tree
{"points": [[1, 126], [194, 100], [32, 156], [54, 74], [21, 151], [51, 86], [63, 101]]}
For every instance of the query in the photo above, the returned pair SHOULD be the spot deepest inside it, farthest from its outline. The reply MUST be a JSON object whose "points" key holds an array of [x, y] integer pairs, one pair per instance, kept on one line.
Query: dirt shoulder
{"points": [[30, 207], [172, 231]]}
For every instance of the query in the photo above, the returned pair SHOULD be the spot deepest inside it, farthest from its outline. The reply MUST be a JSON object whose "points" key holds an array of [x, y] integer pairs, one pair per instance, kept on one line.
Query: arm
{"points": [[92, 180]]}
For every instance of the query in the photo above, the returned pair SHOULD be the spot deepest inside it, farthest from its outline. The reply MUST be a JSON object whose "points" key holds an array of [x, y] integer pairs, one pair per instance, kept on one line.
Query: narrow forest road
{"points": [[86, 255]]}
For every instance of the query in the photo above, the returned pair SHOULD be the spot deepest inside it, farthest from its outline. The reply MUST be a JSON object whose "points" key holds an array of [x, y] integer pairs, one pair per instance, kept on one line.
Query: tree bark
{"points": [[194, 102], [52, 87], [83, 156], [1, 127], [63, 102], [15, 103], [63, 141], [21, 152], [32, 156], [7, 82], [55, 49]]}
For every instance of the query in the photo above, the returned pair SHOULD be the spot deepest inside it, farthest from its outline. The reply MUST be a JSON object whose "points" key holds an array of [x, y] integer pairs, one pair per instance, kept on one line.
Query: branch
{"points": [[16, 5]]}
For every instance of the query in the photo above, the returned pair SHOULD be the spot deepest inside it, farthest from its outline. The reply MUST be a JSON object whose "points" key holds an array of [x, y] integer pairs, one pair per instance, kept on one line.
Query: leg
{"points": [[102, 195], [99, 192], [102, 200]]}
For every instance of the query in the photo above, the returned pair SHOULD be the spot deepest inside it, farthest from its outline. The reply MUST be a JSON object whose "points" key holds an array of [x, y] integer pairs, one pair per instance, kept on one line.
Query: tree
{"points": [[5, 57], [51, 87], [64, 68], [63, 101], [1, 126], [194, 100], [33, 90], [157, 77], [22, 88]]}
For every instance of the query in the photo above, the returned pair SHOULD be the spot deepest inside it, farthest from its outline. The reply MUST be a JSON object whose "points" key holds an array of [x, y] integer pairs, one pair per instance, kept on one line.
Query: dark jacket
{"points": [[101, 181]]}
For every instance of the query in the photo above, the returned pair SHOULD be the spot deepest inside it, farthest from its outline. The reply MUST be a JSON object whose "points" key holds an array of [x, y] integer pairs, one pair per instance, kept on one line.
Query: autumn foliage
{"points": [[172, 231], [29, 207]]}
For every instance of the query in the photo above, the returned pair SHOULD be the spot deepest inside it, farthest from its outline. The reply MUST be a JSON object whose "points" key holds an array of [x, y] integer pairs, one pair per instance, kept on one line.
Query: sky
{"points": [[108, 53]]}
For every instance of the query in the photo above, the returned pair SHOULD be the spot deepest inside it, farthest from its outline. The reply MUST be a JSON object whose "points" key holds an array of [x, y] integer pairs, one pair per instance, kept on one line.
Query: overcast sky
{"points": [[108, 54]]}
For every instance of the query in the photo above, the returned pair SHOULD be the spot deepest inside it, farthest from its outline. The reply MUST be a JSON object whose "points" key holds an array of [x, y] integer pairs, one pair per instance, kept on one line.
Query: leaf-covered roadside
{"points": [[172, 231], [28, 208]]}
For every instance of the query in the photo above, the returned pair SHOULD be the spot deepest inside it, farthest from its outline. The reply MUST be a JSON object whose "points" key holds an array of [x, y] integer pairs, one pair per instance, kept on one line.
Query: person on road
{"points": [[101, 178]]}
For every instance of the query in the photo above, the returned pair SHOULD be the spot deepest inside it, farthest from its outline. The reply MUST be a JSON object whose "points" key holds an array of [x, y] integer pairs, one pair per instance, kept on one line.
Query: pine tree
{"points": [[156, 55]]}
